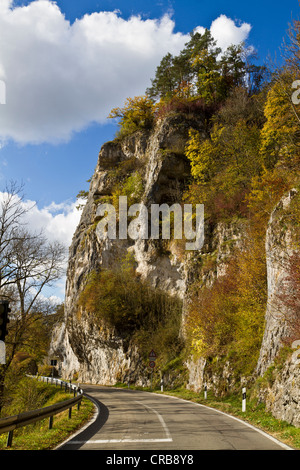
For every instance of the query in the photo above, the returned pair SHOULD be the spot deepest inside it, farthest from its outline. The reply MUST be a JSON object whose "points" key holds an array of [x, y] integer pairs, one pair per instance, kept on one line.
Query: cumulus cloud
{"points": [[225, 31], [60, 77], [57, 221]]}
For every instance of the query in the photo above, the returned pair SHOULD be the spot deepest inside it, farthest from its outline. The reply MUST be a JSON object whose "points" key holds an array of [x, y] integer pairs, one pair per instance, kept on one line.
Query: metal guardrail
{"points": [[54, 381], [10, 423]]}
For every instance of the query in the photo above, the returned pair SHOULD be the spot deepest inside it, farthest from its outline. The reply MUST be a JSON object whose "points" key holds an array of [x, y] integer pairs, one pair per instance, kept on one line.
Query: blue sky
{"points": [[65, 66], [57, 172]]}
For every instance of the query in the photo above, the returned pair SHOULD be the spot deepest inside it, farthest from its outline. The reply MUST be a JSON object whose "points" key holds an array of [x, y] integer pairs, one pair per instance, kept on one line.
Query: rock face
{"points": [[280, 247], [99, 355], [282, 395]]}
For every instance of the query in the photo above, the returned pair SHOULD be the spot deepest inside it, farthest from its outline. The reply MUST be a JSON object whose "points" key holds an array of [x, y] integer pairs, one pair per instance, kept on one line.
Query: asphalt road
{"points": [[137, 420]]}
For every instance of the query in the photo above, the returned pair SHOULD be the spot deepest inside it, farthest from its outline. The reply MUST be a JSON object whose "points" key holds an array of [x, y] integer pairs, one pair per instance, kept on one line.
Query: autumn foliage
{"points": [[243, 160], [119, 299], [227, 317]]}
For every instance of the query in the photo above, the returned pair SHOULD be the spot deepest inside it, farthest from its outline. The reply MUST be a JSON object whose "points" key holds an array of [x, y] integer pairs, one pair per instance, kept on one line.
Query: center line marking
{"points": [[161, 419], [116, 441]]}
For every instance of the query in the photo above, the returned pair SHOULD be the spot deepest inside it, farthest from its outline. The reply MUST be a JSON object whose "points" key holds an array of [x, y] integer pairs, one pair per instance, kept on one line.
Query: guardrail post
{"points": [[70, 412], [50, 422], [9, 439]]}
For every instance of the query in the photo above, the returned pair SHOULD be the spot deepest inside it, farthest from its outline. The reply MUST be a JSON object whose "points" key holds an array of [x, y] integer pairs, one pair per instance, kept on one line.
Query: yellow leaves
{"points": [[280, 131], [266, 190], [203, 154], [200, 58], [198, 342], [211, 317], [139, 105], [232, 152], [227, 318], [137, 113], [199, 154]]}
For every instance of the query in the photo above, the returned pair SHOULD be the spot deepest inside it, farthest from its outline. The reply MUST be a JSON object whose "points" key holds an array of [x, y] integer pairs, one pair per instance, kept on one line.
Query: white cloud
{"points": [[60, 77], [225, 31], [57, 221]]}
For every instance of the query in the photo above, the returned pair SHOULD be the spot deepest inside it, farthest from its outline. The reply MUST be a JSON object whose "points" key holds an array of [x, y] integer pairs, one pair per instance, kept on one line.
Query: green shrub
{"points": [[149, 317]]}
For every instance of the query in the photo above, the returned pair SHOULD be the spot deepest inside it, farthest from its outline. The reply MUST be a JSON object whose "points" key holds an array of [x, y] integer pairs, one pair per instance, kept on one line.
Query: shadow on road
{"points": [[92, 429]]}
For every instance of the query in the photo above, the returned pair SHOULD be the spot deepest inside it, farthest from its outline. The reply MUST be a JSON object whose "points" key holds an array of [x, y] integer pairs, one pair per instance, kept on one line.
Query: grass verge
{"points": [[38, 436]]}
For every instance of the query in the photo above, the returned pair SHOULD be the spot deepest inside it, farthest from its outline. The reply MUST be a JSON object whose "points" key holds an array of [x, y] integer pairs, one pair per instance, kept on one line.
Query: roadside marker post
{"points": [[244, 400], [205, 391]]}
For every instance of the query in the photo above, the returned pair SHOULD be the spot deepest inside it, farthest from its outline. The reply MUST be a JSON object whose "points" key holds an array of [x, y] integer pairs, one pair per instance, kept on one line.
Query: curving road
{"points": [[137, 420]]}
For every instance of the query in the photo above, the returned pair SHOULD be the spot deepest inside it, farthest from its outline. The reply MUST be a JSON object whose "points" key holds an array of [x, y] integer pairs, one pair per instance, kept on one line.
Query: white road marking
{"points": [[116, 441], [281, 444], [168, 437], [161, 419]]}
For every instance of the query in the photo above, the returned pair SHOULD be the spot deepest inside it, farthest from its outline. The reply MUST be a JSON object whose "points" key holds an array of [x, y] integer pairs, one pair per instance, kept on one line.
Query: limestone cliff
{"points": [[282, 392], [158, 156], [280, 246], [99, 354]]}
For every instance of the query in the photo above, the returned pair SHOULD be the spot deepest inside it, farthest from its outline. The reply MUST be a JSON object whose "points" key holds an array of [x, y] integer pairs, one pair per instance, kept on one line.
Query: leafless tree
{"points": [[28, 264]]}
